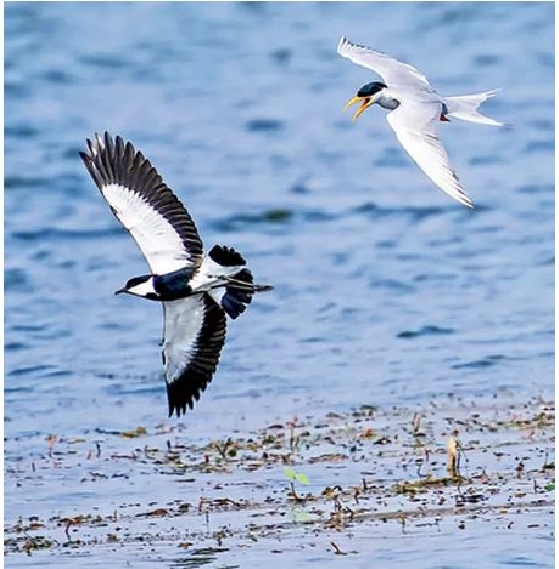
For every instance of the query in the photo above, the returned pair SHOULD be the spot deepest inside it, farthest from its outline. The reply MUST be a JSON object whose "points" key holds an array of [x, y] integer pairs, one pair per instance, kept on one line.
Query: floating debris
{"points": [[368, 472]]}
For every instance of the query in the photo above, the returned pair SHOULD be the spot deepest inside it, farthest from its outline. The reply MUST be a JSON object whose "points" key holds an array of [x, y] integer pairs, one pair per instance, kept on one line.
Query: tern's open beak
{"points": [[365, 103], [120, 290]]}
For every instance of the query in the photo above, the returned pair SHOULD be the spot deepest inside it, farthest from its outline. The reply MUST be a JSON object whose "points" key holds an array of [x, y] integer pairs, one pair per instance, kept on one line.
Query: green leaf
{"points": [[301, 516], [549, 487], [302, 478], [289, 473]]}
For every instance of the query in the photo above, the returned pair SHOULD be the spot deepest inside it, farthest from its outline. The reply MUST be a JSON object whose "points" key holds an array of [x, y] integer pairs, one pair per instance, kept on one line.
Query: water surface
{"points": [[387, 292]]}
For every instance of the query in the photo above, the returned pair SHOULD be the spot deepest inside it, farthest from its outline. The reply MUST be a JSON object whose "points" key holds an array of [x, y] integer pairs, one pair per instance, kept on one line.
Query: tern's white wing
{"points": [[148, 209], [394, 73], [193, 338], [415, 126]]}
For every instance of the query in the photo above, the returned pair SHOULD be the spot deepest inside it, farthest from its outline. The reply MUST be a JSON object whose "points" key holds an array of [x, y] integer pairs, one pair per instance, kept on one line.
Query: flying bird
{"points": [[416, 109], [196, 291]]}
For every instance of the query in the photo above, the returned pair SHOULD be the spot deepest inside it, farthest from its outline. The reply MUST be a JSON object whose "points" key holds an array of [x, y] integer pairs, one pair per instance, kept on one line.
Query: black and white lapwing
{"points": [[196, 291]]}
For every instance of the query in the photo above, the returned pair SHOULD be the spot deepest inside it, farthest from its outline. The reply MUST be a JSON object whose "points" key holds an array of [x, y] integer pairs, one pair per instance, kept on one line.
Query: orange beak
{"points": [[365, 104]]}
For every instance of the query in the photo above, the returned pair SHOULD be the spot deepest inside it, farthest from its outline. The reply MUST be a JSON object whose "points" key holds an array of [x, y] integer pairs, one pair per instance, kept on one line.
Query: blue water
{"points": [[387, 291]]}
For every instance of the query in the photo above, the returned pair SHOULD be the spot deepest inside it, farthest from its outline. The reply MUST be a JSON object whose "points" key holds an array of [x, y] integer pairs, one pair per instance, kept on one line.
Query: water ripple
{"points": [[488, 361], [264, 125], [17, 280], [56, 234], [427, 330]]}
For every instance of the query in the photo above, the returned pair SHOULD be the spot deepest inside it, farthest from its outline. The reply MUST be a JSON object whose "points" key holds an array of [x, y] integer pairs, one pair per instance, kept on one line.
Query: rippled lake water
{"points": [[387, 292]]}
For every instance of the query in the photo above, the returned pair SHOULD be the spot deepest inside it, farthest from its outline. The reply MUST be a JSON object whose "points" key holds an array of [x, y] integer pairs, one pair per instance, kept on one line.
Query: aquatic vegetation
{"points": [[391, 470]]}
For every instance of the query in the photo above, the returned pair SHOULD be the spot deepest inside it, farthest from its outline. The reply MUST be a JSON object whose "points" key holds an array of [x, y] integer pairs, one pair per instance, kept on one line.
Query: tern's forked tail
{"points": [[465, 108]]}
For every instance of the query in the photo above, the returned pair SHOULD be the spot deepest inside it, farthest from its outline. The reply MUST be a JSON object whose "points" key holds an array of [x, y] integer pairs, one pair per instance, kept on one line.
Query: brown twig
{"points": [[337, 550]]}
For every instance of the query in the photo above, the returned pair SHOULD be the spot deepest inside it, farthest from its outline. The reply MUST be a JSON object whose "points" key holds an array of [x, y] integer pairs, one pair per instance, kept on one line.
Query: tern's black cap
{"points": [[370, 89]]}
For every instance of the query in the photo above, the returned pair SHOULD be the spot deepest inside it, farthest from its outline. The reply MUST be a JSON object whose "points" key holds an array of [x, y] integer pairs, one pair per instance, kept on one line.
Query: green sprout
{"points": [[292, 475]]}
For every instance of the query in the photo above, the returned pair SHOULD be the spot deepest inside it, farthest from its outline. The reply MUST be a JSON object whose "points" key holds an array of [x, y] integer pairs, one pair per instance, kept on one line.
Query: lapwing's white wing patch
{"points": [[415, 126], [211, 273], [393, 72], [193, 339], [148, 209]]}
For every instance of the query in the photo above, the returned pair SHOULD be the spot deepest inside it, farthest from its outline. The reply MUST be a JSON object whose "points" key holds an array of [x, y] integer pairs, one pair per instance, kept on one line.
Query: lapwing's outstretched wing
{"points": [[148, 209], [415, 126], [393, 72], [194, 337]]}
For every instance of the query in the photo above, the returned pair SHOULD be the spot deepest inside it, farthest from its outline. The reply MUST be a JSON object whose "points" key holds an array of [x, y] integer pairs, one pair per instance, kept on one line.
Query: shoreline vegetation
{"points": [[304, 483]]}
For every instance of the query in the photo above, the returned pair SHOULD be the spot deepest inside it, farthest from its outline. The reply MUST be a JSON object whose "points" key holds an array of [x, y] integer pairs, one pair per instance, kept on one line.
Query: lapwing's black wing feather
{"points": [[148, 209], [194, 338]]}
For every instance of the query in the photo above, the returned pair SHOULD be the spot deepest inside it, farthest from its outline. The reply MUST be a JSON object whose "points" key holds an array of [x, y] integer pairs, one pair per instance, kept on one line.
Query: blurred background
{"points": [[387, 291]]}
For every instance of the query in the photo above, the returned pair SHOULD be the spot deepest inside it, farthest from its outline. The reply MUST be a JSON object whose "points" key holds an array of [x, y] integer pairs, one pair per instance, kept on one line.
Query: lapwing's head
{"points": [[140, 286], [368, 95]]}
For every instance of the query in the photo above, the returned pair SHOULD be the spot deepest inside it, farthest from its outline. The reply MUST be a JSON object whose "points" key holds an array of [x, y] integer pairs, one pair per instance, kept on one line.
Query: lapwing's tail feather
{"points": [[239, 291]]}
